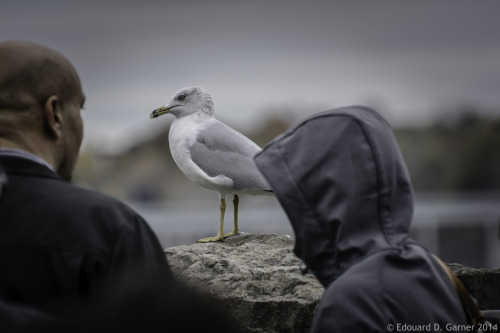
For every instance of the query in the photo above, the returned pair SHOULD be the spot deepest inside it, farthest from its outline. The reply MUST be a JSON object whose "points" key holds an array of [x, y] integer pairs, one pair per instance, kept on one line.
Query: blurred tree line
{"points": [[459, 152]]}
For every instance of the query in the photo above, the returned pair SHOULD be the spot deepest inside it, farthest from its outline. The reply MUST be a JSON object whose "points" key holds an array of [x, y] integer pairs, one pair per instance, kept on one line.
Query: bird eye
{"points": [[182, 97]]}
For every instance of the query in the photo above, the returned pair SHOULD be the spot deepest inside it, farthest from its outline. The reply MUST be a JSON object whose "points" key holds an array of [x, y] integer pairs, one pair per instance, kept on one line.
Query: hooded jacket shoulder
{"points": [[343, 183]]}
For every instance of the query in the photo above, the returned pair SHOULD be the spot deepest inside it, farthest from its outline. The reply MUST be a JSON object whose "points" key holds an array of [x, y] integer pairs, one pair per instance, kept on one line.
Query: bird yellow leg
{"points": [[236, 200], [220, 235]]}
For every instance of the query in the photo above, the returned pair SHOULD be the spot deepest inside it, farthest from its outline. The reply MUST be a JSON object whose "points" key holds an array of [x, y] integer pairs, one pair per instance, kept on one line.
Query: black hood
{"points": [[342, 181]]}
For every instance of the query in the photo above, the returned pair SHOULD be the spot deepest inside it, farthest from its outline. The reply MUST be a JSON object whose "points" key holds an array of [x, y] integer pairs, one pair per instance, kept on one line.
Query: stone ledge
{"points": [[256, 276], [481, 283]]}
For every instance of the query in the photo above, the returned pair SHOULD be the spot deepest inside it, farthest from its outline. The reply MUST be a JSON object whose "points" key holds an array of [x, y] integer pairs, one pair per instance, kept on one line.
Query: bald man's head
{"points": [[40, 102], [30, 73]]}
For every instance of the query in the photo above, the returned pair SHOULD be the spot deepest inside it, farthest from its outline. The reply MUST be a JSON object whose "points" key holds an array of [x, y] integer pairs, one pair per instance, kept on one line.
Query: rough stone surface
{"points": [[257, 277], [483, 284]]}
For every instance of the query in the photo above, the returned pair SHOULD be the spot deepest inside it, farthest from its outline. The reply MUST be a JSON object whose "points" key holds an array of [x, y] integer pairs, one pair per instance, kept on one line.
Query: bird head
{"points": [[186, 101]]}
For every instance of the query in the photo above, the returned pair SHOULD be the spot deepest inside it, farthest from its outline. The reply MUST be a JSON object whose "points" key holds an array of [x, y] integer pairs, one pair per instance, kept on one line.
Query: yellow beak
{"points": [[160, 111]]}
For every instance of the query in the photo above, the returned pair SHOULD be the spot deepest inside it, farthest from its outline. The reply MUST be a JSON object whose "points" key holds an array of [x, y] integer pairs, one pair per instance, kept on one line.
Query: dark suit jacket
{"points": [[60, 243]]}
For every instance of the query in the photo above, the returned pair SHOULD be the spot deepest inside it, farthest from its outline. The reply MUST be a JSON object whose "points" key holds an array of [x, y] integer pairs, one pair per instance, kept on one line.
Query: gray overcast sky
{"points": [[408, 57]]}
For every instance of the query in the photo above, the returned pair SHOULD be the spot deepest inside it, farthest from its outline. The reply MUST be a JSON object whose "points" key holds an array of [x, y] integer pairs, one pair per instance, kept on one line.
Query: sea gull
{"points": [[210, 153]]}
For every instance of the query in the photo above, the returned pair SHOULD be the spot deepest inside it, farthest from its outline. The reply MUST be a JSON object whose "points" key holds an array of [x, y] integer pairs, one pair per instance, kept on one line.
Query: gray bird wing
{"points": [[220, 150]]}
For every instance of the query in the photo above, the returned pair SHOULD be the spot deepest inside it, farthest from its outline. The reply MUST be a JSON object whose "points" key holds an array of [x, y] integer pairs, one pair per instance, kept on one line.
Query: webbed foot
{"points": [[217, 238], [234, 232]]}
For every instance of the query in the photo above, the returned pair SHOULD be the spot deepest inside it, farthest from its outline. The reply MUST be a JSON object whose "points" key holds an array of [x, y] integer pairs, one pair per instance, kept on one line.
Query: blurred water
{"points": [[179, 223], [460, 228]]}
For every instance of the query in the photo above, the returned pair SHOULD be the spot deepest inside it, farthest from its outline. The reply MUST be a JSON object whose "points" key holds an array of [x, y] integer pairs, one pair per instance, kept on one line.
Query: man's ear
{"points": [[52, 114]]}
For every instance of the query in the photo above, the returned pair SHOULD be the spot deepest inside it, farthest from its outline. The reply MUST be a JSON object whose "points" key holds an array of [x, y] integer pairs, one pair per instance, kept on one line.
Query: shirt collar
{"points": [[23, 154]]}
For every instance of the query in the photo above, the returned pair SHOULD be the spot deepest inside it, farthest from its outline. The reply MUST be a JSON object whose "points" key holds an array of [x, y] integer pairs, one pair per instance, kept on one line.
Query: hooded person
{"points": [[345, 188]]}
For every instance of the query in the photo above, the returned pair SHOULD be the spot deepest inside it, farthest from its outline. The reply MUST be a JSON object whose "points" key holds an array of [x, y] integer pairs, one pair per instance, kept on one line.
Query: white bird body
{"points": [[182, 136], [210, 153]]}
